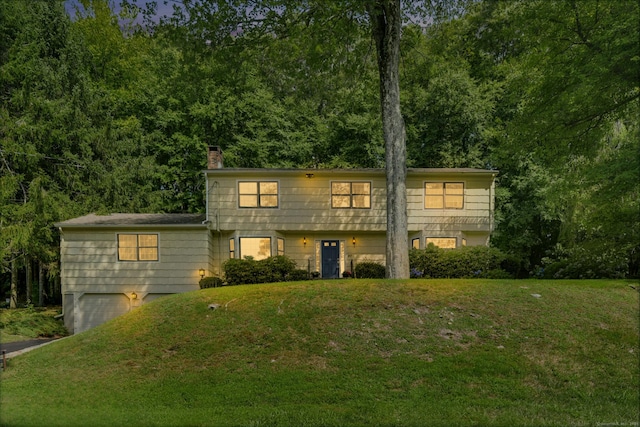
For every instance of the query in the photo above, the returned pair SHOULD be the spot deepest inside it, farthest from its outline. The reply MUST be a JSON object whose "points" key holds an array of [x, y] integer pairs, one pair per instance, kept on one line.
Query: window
{"points": [[415, 243], [443, 242], [355, 195], [232, 248], [137, 247], [444, 195], [256, 247], [280, 246], [258, 194]]}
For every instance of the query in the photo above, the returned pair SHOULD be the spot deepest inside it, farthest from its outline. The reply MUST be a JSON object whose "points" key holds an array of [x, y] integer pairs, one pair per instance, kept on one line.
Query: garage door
{"points": [[95, 309]]}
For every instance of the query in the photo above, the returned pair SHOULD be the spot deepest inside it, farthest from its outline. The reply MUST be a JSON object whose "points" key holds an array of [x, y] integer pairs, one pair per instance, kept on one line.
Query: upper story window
{"points": [[444, 195], [351, 195], [137, 247], [258, 194]]}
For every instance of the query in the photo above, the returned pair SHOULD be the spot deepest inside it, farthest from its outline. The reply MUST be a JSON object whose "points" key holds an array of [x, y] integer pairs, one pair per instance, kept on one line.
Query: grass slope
{"points": [[340, 353]]}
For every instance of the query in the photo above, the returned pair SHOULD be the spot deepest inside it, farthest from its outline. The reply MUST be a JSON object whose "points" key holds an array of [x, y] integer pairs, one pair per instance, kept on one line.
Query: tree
{"points": [[386, 24]]}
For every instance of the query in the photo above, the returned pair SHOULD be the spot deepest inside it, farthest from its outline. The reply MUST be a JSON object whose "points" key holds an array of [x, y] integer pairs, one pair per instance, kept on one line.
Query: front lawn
{"points": [[346, 353]]}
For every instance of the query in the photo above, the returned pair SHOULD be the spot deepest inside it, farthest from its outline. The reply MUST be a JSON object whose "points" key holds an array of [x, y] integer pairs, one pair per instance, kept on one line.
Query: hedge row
{"points": [[465, 262], [273, 269], [432, 262]]}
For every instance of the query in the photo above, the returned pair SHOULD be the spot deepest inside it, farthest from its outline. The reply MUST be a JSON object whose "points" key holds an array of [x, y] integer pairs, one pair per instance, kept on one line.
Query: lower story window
{"points": [[280, 246], [415, 243], [137, 247], [256, 247], [443, 242]]}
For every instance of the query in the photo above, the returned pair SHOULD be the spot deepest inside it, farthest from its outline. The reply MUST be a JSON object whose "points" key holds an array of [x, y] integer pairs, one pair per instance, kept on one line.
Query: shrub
{"points": [[210, 282], [248, 270], [240, 271], [276, 268], [297, 275], [465, 262], [601, 261], [370, 270]]}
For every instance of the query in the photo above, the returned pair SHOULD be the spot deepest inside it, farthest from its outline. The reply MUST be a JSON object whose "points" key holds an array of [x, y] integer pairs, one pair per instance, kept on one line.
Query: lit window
{"points": [[415, 243], [258, 194], [444, 195], [256, 247], [280, 246], [137, 247], [443, 242], [232, 248], [355, 195]]}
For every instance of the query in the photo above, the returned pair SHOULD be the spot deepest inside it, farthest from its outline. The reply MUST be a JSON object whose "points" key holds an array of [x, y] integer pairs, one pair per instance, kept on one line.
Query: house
{"points": [[326, 220]]}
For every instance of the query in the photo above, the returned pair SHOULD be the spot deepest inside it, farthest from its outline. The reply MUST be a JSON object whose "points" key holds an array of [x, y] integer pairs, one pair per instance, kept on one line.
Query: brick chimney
{"points": [[214, 157]]}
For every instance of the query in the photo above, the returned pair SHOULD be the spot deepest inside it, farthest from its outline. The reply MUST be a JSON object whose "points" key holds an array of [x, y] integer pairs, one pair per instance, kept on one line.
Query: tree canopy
{"points": [[104, 111]]}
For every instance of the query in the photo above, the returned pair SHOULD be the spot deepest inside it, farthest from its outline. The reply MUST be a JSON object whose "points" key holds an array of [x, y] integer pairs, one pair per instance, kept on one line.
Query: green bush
{"points": [[369, 270], [210, 282], [465, 262], [245, 271], [297, 275], [604, 261]]}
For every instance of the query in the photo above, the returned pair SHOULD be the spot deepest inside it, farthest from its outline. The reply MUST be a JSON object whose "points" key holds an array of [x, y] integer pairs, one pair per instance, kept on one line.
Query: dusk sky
{"points": [[165, 7]]}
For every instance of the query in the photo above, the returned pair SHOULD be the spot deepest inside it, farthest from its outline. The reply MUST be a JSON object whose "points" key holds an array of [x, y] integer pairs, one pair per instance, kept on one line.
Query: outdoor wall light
{"points": [[201, 271], [309, 175], [304, 242], [134, 295], [353, 240]]}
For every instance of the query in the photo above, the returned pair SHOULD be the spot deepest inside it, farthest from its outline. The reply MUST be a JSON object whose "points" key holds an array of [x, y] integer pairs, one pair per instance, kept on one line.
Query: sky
{"points": [[164, 7]]}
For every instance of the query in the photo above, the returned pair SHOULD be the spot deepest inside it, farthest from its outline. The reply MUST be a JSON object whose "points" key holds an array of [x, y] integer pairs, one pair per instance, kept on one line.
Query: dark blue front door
{"points": [[330, 259]]}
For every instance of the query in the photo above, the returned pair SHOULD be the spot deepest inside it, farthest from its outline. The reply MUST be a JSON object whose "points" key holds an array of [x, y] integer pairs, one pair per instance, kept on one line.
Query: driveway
{"points": [[19, 347]]}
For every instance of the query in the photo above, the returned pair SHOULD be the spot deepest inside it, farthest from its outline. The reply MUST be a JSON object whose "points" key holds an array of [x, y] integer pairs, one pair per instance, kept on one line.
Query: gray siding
{"points": [[98, 287]]}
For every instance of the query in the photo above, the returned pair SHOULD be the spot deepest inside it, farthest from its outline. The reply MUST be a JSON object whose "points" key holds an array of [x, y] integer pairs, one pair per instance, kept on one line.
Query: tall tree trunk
{"points": [[14, 285], [40, 284], [29, 269], [386, 20]]}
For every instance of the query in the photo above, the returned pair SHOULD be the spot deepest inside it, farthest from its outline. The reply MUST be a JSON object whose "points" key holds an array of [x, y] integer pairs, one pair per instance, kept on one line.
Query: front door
{"points": [[330, 259]]}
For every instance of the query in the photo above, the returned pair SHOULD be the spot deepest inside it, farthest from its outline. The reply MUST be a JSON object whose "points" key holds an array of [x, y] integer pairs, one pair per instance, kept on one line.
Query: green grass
{"points": [[346, 353], [28, 323]]}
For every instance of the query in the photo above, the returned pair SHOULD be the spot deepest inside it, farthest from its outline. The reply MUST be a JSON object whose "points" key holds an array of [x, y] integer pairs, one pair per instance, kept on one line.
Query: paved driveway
{"points": [[12, 347]]}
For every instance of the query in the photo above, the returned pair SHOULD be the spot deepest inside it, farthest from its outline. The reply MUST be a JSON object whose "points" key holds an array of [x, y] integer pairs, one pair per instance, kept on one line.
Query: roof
{"points": [[430, 171], [136, 220]]}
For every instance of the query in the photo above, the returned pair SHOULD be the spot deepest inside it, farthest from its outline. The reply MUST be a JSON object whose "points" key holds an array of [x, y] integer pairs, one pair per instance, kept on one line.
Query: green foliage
{"points": [[297, 275], [249, 271], [31, 323], [464, 262], [210, 282], [586, 262], [369, 270]]}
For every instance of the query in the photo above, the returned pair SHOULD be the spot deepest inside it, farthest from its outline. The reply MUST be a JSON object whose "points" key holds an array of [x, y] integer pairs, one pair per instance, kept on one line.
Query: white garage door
{"points": [[95, 309]]}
